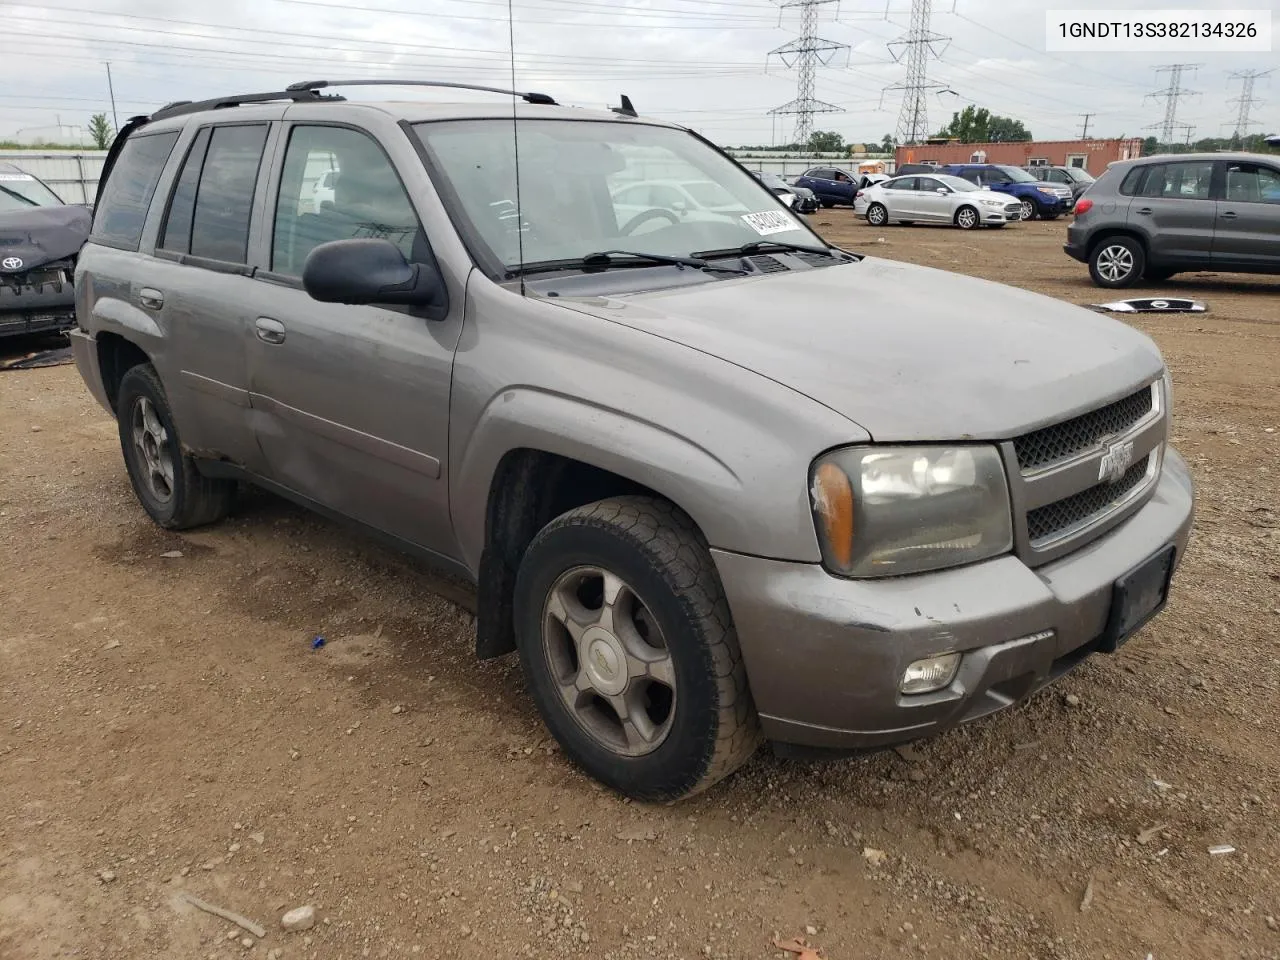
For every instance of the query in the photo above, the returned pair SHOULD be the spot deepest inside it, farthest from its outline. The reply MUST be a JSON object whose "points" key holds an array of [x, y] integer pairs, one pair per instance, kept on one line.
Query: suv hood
{"points": [[42, 235], [908, 353]]}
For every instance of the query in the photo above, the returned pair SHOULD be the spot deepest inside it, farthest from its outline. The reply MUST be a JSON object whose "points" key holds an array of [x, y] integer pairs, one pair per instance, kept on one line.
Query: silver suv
{"points": [[1151, 218], [715, 480]]}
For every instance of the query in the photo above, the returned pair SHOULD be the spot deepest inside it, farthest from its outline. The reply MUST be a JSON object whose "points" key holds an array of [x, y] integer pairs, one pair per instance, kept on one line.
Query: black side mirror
{"points": [[371, 272]]}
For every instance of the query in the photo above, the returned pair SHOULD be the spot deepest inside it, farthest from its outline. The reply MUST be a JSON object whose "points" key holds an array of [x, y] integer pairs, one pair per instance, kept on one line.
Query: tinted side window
{"points": [[973, 176], [176, 233], [995, 176], [368, 199], [927, 184], [1132, 180], [1250, 183], [122, 210], [224, 197], [1180, 181]]}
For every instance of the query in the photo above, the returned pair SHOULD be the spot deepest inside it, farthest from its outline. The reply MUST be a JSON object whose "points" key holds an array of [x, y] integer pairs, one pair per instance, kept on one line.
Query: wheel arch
{"points": [[117, 355]]}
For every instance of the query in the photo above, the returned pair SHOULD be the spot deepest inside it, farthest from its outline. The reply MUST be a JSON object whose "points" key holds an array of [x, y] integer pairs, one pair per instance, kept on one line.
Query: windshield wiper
{"points": [[755, 246], [605, 259], [17, 196]]}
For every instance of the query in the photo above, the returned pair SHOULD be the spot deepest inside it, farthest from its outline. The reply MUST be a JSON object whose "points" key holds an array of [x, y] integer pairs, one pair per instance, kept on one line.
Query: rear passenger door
{"points": [[350, 403], [201, 285], [1175, 210], [1247, 230], [900, 197]]}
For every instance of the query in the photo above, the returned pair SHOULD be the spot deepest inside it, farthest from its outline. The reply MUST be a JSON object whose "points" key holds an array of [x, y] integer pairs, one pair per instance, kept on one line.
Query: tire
{"points": [[1029, 209], [165, 480], [968, 218], [1116, 262], [666, 588], [877, 215], [828, 204], [1051, 216]]}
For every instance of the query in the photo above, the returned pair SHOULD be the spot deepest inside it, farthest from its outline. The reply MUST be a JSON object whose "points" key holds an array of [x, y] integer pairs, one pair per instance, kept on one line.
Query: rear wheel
{"points": [[877, 215], [828, 204], [166, 482], [967, 218], [1117, 262], [629, 648]]}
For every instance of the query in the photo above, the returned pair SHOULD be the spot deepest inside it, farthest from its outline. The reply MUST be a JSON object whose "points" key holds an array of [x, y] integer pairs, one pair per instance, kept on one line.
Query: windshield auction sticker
{"points": [[22, 177], [770, 221]]}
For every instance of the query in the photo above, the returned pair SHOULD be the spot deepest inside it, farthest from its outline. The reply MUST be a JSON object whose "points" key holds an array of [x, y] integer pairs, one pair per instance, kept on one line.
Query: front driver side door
{"points": [[351, 403]]}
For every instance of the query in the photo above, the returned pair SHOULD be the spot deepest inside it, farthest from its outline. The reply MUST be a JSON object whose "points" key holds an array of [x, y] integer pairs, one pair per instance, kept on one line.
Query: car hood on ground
{"points": [[42, 235], [908, 353]]}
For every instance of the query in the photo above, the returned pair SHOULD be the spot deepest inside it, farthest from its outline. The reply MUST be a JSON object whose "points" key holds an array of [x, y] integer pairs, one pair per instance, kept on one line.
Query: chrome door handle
{"points": [[150, 298], [269, 331]]}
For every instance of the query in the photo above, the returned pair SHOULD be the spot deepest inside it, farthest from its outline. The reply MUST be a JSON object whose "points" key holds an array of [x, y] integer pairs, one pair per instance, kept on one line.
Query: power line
{"points": [[916, 45], [1171, 95], [806, 53], [1246, 101]]}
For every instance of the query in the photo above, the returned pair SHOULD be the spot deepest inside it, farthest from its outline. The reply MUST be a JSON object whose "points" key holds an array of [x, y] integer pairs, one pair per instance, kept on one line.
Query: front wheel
{"points": [[166, 482], [967, 218], [629, 649], [1117, 262], [1028, 209], [877, 215]]}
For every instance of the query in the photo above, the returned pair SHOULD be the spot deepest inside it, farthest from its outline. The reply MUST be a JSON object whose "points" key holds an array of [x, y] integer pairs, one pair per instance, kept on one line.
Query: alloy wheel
{"points": [[609, 661], [1115, 262], [151, 441]]}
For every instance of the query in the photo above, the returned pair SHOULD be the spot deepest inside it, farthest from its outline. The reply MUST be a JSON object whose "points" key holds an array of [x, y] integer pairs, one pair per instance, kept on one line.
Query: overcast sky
{"points": [[699, 62]]}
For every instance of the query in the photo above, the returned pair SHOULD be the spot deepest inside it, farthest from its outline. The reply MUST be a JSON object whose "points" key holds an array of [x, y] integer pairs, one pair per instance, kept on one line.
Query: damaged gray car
{"points": [[40, 237]]}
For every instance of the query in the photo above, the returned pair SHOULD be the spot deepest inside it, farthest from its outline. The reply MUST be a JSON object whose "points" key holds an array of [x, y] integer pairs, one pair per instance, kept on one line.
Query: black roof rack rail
{"points": [[182, 107], [314, 85]]}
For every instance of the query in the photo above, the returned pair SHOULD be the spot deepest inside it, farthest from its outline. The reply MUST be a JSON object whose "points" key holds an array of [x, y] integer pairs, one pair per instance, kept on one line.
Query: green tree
{"points": [[1150, 146], [100, 130], [888, 143], [826, 141], [979, 125]]}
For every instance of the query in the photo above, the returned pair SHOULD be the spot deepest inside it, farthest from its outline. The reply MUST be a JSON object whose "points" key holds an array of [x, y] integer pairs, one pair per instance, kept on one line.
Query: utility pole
{"points": [[115, 120], [1171, 95], [1190, 131], [916, 46], [1246, 101], [1084, 134], [806, 53]]}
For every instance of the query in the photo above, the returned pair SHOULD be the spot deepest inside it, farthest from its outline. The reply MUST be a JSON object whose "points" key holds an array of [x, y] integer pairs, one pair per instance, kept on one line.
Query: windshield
{"points": [[956, 184], [21, 191], [1017, 174], [589, 186], [1078, 175]]}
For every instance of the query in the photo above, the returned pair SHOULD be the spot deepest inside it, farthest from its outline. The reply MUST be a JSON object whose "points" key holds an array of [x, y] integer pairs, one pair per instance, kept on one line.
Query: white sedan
{"points": [[935, 199]]}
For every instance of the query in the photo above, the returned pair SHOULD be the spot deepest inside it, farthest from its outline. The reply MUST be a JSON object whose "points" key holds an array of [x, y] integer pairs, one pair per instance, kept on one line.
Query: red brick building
{"points": [[1092, 155]]}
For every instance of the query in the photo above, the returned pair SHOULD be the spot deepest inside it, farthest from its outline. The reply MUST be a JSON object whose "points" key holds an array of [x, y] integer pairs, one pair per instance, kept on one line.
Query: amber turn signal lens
{"points": [[833, 502]]}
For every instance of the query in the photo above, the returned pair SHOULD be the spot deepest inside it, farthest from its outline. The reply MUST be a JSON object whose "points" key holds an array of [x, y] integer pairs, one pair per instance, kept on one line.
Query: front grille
{"points": [[1081, 509], [1064, 441]]}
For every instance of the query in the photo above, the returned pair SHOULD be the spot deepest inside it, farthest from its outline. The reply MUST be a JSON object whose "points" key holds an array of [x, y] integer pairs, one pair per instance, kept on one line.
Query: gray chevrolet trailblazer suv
{"points": [[1151, 218], [715, 480]]}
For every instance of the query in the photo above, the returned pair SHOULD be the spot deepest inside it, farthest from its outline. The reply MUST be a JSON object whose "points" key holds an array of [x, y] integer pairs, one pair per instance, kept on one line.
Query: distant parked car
{"points": [[906, 168], [322, 191], [799, 199], [830, 185], [940, 199], [40, 237], [1157, 216], [682, 199], [1045, 200], [1076, 179]]}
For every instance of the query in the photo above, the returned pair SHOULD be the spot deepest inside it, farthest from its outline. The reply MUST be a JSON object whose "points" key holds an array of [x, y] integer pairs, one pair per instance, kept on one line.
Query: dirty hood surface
{"points": [[906, 352], [42, 235]]}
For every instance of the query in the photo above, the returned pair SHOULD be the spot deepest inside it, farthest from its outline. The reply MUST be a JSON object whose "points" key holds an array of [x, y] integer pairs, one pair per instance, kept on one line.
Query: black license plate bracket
{"points": [[1136, 597]]}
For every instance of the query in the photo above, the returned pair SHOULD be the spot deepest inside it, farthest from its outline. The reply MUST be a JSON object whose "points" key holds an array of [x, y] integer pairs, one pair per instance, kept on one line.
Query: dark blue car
{"points": [[1048, 201]]}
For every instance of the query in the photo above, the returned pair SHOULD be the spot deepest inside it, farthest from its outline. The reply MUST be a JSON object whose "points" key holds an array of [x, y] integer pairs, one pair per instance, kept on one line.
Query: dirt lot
{"points": [[166, 726]]}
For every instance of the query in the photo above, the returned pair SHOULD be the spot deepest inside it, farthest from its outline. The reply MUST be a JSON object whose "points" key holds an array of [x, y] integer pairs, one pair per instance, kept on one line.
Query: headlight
{"points": [[993, 203], [1047, 190], [885, 512]]}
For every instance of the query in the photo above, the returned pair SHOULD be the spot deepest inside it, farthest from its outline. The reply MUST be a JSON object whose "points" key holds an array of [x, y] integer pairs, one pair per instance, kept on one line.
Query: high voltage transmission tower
{"points": [[806, 53], [1171, 95], [1246, 101], [916, 46]]}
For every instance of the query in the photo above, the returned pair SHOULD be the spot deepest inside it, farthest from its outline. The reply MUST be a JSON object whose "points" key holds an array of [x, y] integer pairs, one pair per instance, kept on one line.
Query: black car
{"points": [[40, 237], [1076, 179], [804, 202]]}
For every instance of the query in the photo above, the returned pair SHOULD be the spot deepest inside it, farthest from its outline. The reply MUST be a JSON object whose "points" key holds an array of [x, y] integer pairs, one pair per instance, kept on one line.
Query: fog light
{"points": [[930, 674]]}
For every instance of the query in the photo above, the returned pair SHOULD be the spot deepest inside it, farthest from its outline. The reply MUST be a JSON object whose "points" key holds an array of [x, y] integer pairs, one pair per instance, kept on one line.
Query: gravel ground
{"points": [[166, 728]]}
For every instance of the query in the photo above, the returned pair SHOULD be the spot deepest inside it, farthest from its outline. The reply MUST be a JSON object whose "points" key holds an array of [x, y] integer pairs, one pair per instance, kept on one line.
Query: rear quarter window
{"points": [[122, 210], [1132, 181]]}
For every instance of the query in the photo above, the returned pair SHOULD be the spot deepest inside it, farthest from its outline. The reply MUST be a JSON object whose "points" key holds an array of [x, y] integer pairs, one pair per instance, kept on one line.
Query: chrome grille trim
{"points": [[1082, 436]]}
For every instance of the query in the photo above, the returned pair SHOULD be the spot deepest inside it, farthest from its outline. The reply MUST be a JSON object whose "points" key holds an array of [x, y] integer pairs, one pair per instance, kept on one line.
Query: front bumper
{"points": [[825, 655], [29, 309]]}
